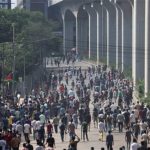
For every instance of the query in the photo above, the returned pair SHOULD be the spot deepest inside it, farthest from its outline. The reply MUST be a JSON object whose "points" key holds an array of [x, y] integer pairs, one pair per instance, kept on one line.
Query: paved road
{"points": [[93, 134]]}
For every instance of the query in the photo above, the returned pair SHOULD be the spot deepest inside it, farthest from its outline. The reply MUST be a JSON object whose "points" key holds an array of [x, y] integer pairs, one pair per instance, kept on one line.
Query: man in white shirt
{"points": [[19, 129], [33, 124], [38, 125], [132, 119], [2, 143], [101, 128], [134, 145], [27, 130], [113, 107]]}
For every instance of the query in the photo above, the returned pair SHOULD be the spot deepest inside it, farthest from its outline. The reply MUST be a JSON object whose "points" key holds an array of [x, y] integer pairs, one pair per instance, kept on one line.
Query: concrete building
{"points": [[5, 4], [114, 31], [34, 5]]}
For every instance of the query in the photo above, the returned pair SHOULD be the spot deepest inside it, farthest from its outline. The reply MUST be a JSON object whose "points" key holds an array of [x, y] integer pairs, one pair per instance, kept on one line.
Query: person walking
{"points": [[15, 142], [56, 123], [49, 128], [101, 127], [71, 129], [135, 145], [62, 131], [84, 129], [50, 141], [27, 130], [128, 136], [120, 120], [73, 143], [109, 141]]}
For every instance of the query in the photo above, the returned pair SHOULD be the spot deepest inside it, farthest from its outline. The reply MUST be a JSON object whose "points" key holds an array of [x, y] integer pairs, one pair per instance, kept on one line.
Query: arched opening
{"points": [[70, 30], [83, 32]]}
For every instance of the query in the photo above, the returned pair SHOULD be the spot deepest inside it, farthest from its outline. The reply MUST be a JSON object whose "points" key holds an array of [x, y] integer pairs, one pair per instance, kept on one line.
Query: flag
{"points": [[9, 77]]}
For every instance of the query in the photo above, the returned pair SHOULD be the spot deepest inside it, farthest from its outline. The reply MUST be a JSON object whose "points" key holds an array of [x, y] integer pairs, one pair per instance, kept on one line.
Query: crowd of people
{"points": [[73, 98]]}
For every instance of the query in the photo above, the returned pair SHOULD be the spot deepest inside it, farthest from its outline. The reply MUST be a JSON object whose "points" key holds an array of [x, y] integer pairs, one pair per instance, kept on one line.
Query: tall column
{"points": [[147, 47], [69, 30], [89, 36], [105, 33], [97, 15], [138, 40], [83, 32], [92, 30], [64, 35], [117, 35], [126, 52], [112, 31], [77, 39], [98, 10], [120, 36]]}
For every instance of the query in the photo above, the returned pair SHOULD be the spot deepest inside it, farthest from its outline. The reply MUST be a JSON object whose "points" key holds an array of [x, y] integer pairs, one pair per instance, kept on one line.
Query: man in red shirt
{"points": [[49, 128]]}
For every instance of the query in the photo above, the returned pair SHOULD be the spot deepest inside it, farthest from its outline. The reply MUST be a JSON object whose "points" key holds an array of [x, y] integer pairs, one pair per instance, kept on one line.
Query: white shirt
{"points": [[19, 128], [136, 112], [71, 93], [38, 125], [101, 126], [3, 144], [101, 116], [39, 148], [134, 146], [13, 127], [113, 107], [132, 118], [33, 124], [26, 128], [42, 118]]}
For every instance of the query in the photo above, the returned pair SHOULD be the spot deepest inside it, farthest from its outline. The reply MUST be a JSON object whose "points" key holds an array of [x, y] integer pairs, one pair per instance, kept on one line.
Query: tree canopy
{"points": [[34, 38]]}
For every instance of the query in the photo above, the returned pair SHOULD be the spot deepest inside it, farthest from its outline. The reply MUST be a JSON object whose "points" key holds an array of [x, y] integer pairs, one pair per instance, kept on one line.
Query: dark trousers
{"points": [[85, 134], [120, 125], [26, 136], [15, 148], [62, 136], [56, 128], [109, 146]]}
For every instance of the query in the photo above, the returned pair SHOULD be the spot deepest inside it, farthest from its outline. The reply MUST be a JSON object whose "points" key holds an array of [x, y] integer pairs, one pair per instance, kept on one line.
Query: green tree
{"points": [[34, 38]]}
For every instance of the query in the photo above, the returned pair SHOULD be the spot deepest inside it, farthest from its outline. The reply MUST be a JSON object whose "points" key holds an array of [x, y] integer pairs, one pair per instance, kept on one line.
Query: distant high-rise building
{"points": [[34, 5], [5, 4]]}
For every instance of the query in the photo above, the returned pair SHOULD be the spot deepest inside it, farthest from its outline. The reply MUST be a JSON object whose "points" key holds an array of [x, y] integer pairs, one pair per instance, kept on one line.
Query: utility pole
{"points": [[3, 72], [24, 74], [14, 61]]}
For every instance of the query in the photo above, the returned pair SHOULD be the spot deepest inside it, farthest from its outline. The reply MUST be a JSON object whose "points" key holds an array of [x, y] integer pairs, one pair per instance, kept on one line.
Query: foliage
{"points": [[140, 88], [146, 99], [34, 38], [128, 72]]}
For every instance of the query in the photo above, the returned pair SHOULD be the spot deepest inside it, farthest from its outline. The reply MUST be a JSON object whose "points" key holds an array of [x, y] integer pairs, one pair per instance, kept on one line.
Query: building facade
{"points": [[114, 31], [5, 4], [34, 5]]}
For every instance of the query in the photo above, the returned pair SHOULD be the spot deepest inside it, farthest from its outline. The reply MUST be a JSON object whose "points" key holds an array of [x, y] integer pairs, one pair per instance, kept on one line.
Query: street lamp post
{"points": [[14, 60], [24, 76]]}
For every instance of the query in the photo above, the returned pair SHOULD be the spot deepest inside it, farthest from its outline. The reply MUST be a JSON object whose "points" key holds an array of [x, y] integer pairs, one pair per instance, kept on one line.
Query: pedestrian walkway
{"points": [[93, 134]]}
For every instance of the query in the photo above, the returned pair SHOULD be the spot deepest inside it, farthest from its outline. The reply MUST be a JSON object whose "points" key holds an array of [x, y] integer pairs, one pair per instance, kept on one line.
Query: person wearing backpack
{"points": [[62, 131], [84, 128]]}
